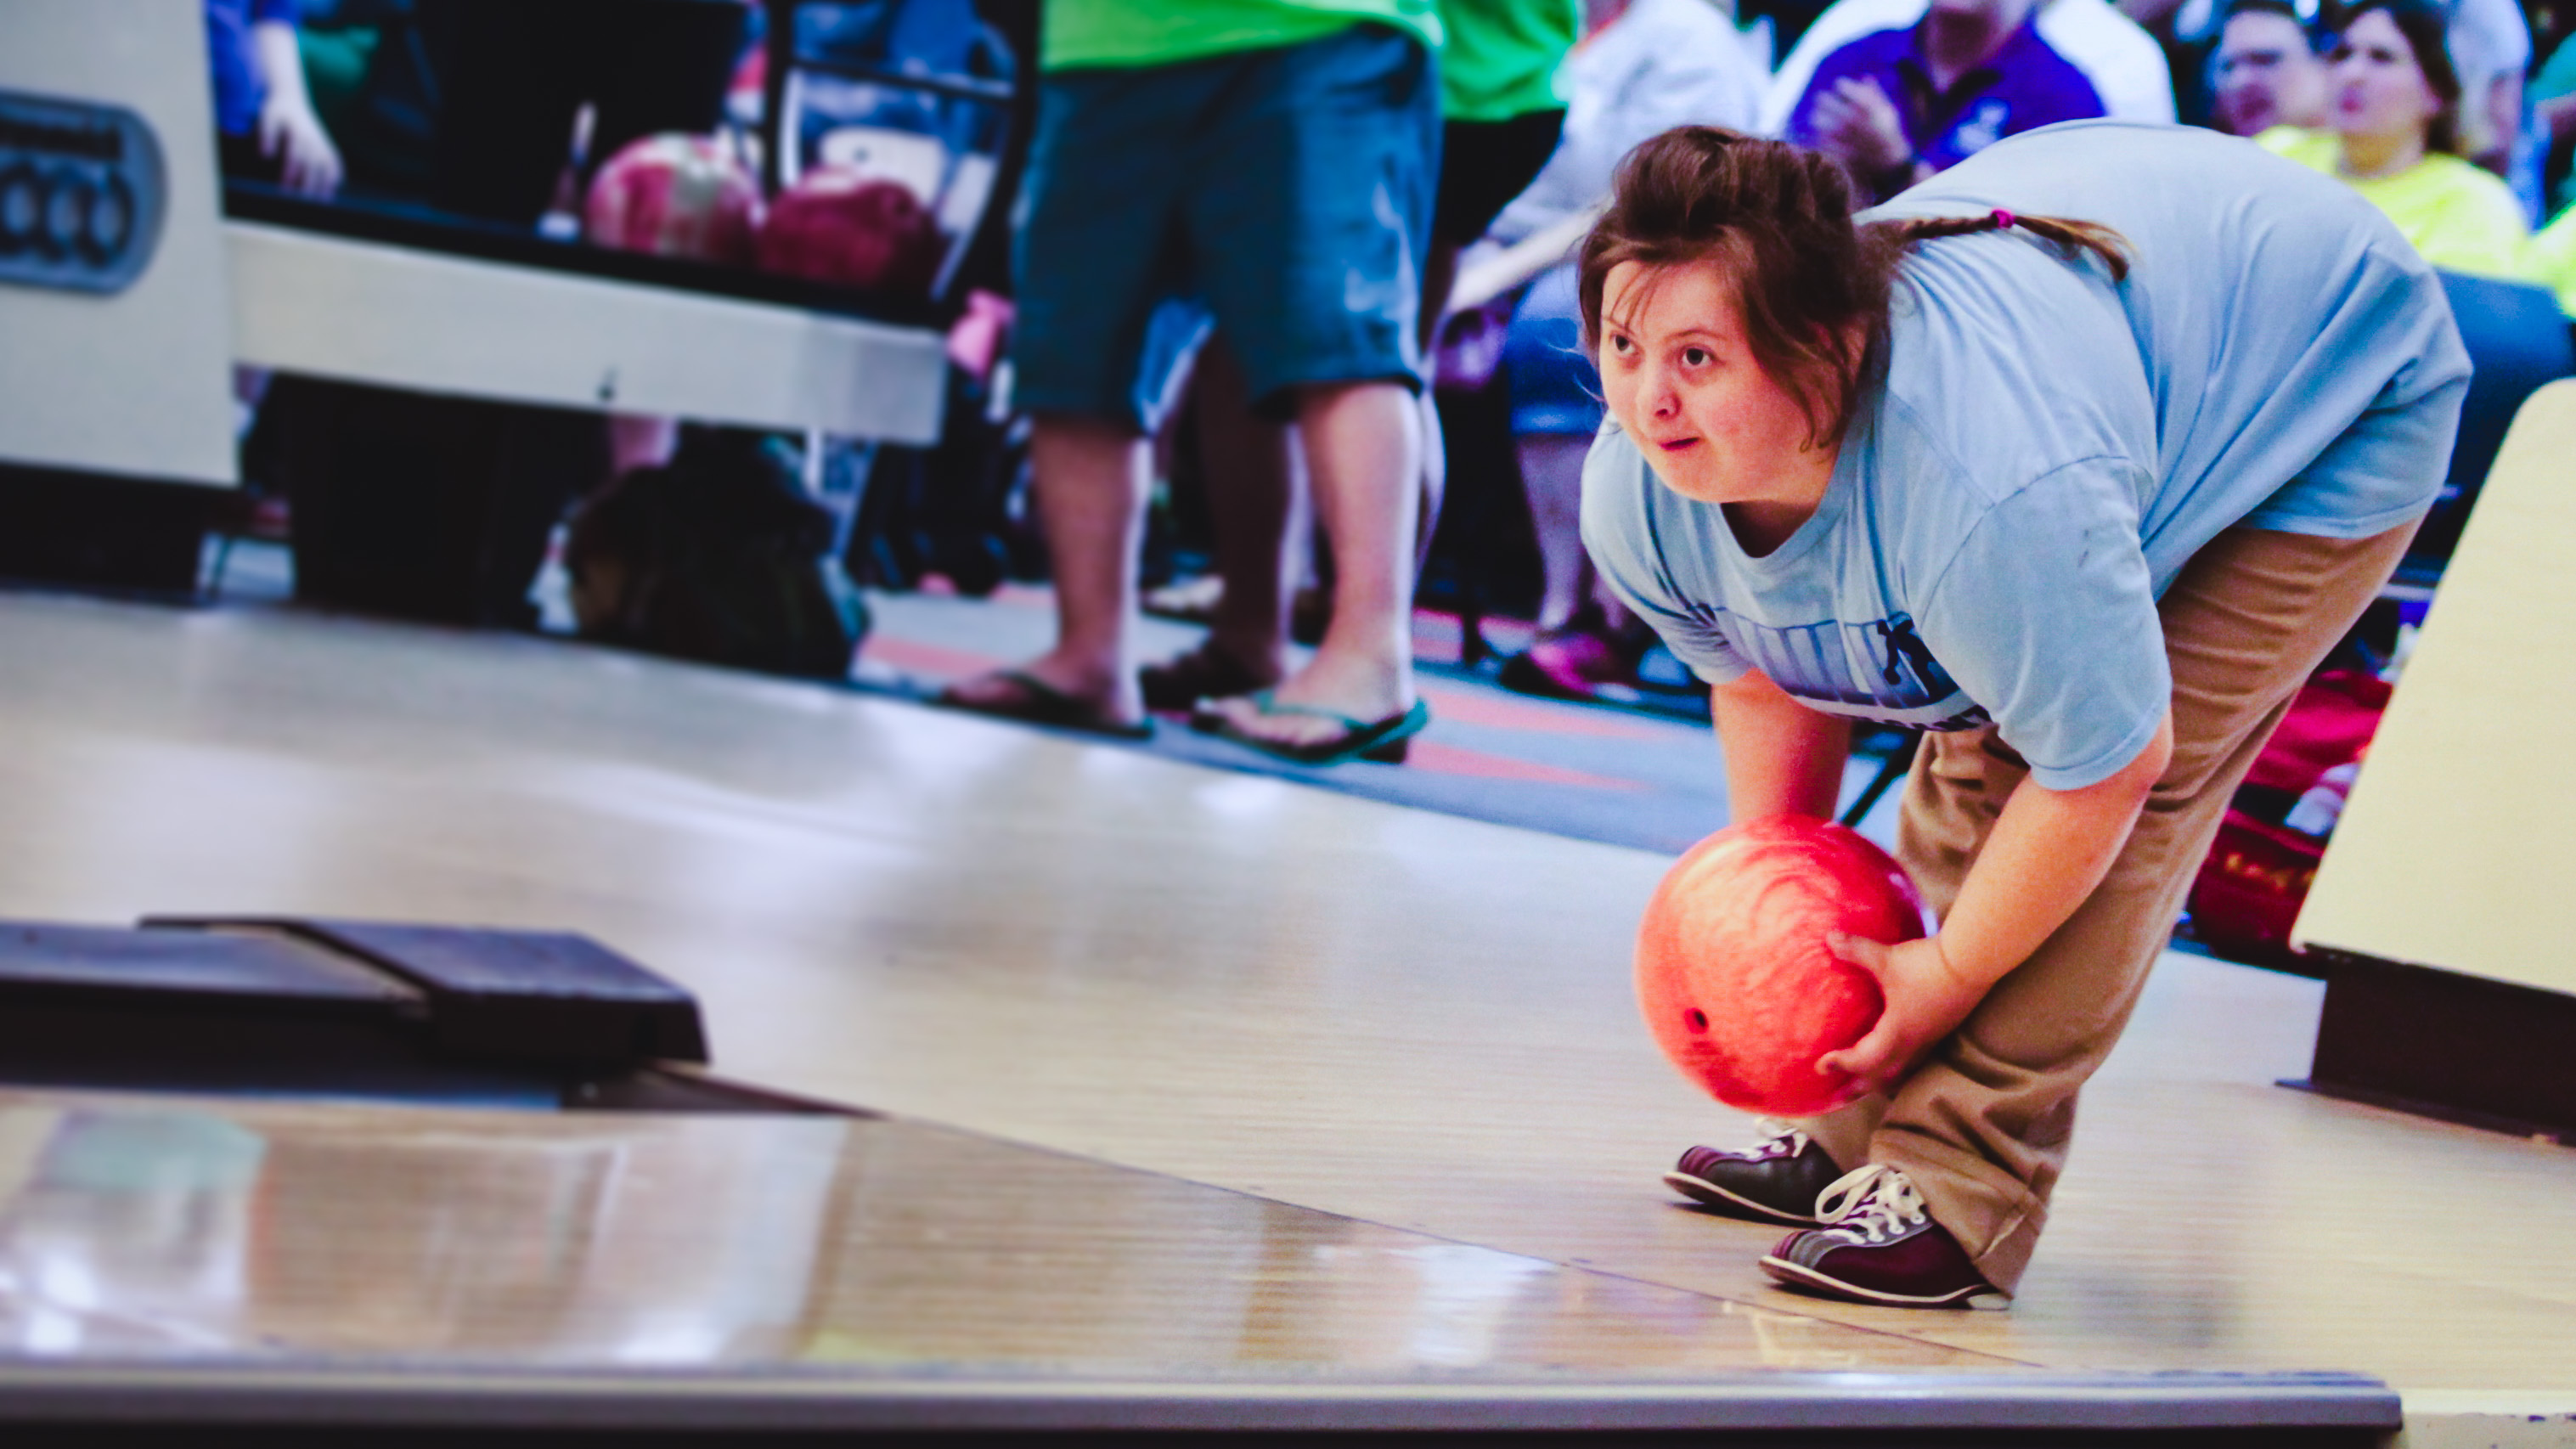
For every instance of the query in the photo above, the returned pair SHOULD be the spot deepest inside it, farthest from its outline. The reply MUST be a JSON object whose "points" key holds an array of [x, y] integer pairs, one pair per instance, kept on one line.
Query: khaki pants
{"points": [[1982, 1125]]}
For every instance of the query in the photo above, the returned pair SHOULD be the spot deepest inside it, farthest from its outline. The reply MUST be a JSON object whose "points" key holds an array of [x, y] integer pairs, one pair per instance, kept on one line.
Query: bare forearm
{"points": [[2048, 851], [281, 64], [1782, 758]]}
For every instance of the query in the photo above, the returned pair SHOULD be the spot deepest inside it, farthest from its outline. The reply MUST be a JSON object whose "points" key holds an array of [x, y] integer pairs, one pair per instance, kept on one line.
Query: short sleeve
{"points": [[2047, 617], [1620, 532]]}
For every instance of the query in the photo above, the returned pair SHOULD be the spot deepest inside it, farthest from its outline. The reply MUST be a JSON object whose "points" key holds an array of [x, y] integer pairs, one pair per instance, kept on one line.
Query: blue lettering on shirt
{"points": [[1881, 670]]}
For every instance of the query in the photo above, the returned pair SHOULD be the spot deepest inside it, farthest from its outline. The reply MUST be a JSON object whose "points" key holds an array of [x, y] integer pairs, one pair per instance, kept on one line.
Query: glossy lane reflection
{"points": [[177, 1230]]}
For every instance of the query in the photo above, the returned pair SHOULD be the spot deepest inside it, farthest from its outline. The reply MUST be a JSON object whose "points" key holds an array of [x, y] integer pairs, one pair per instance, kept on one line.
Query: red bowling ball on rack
{"points": [[1733, 972]]}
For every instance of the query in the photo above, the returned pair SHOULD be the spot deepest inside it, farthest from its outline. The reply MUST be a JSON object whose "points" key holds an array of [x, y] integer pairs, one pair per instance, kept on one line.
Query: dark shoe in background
{"points": [[1584, 660], [1177, 684]]}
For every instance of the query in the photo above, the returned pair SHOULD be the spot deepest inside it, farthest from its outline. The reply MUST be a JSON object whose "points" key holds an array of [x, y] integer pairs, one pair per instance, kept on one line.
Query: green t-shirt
{"points": [[1503, 55], [1132, 34]]}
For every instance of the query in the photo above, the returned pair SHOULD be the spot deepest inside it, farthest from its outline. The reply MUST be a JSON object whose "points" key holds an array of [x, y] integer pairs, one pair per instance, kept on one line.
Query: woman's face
{"points": [[1686, 389], [2379, 90]]}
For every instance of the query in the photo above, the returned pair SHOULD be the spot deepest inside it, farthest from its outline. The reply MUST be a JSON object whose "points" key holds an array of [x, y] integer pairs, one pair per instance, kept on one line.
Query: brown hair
{"points": [[1777, 219]]}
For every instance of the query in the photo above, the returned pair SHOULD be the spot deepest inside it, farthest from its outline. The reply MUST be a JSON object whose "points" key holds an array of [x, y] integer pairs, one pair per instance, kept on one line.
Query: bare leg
{"points": [[1255, 497], [1586, 637], [1435, 478], [1552, 478], [1091, 491], [1363, 450], [1616, 618]]}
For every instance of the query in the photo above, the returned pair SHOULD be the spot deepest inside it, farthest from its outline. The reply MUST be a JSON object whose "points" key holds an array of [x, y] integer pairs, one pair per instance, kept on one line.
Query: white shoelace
{"points": [[1779, 1139], [1874, 1203]]}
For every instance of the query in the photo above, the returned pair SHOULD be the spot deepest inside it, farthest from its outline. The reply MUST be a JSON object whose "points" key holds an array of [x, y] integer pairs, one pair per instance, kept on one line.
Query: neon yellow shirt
{"points": [[1503, 56], [2460, 218], [2553, 259], [1138, 33]]}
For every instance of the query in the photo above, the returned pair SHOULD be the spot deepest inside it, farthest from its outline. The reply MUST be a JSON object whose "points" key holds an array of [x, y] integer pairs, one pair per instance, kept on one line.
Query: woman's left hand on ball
{"points": [[1926, 1001]]}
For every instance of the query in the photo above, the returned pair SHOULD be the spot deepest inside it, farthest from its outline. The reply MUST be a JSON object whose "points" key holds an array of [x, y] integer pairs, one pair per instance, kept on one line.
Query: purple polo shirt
{"points": [[2025, 86]]}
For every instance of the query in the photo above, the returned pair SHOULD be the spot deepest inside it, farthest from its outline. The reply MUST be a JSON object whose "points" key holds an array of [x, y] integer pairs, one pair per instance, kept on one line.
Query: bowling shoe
{"points": [[1879, 1245], [1775, 1181]]}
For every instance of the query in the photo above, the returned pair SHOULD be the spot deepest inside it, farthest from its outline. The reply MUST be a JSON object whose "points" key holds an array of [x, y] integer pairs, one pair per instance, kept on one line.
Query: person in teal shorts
{"points": [[1273, 162]]}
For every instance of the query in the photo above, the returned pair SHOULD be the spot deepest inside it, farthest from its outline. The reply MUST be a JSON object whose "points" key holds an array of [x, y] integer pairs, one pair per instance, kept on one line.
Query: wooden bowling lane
{"points": [[173, 1229], [1392, 1016]]}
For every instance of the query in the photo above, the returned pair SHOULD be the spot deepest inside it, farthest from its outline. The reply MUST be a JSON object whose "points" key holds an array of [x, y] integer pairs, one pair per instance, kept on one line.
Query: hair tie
{"points": [[2003, 219]]}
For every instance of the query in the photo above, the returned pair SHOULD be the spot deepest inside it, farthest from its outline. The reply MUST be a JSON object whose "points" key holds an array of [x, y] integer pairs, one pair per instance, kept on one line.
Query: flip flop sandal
{"points": [[1207, 672], [1041, 703], [1384, 741]]}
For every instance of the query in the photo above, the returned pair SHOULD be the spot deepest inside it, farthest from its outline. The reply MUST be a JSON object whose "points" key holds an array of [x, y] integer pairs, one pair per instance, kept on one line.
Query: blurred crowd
{"points": [[1264, 243]]}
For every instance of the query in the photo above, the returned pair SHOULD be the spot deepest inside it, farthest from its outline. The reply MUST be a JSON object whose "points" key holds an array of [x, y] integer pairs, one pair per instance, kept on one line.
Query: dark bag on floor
{"points": [[719, 557]]}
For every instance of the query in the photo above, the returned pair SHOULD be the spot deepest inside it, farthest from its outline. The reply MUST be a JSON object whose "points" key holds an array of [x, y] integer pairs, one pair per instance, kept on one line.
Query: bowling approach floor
{"points": [[1187, 1075]]}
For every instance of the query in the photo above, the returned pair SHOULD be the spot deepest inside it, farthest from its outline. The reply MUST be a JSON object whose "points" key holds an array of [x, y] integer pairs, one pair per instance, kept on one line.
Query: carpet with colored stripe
{"points": [[1644, 776]]}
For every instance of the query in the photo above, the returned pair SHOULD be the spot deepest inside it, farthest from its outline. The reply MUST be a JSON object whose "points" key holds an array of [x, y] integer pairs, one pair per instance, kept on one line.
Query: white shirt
{"points": [[1664, 63], [2488, 39], [2124, 63]]}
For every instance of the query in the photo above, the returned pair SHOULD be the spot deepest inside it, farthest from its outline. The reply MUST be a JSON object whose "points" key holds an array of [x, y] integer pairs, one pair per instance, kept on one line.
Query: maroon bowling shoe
{"points": [[1774, 1181], [1879, 1245]]}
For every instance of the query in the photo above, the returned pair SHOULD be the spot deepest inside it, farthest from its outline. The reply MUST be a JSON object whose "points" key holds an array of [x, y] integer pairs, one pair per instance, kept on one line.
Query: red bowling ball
{"points": [[845, 227], [675, 196], [1733, 972]]}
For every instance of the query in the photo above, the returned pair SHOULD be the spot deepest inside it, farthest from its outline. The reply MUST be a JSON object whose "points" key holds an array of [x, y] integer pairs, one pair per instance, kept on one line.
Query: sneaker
{"points": [[1775, 1182], [1879, 1245]]}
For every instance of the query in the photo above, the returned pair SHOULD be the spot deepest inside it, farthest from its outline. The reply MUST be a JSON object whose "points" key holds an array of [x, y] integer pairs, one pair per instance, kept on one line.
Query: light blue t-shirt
{"points": [[2049, 449]]}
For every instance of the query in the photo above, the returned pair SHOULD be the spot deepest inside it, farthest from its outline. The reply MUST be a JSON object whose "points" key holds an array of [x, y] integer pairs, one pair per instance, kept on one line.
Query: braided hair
{"points": [[1777, 220]]}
